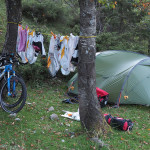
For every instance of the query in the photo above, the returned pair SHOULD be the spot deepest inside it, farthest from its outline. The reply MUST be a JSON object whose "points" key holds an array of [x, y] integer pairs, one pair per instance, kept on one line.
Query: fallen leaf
{"points": [[122, 138], [138, 133], [58, 133], [145, 142]]}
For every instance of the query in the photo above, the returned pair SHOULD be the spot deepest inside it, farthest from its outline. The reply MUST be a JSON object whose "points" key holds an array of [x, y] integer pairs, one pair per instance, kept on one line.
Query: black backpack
{"points": [[119, 123]]}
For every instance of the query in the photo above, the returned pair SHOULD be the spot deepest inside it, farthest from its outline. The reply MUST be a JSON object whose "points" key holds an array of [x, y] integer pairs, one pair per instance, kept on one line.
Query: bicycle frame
{"points": [[7, 69]]}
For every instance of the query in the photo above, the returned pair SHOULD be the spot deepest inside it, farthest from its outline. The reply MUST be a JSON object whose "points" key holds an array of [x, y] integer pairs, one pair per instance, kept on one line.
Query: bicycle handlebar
{"points": [[9, 58]]}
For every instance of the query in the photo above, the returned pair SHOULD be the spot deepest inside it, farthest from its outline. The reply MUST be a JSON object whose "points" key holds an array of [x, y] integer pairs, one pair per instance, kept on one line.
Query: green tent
{"points": [[124, 75]]}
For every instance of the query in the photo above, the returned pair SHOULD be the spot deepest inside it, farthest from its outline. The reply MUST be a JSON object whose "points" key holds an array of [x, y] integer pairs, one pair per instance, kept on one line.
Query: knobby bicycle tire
{"points": [[14, 103]]}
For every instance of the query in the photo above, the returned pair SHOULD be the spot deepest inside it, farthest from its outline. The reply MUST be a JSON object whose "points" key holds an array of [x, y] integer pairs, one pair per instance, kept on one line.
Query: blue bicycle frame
{"points": [[7, 69]]}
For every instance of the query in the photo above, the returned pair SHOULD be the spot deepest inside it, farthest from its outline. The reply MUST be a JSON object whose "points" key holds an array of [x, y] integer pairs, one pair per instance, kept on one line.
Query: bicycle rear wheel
{"points": [[15, 102]]}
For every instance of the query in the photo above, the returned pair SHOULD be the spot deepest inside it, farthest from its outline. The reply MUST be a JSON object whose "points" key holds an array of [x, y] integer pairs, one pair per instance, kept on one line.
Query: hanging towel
{"points": [[21, 43], [23, 39]]}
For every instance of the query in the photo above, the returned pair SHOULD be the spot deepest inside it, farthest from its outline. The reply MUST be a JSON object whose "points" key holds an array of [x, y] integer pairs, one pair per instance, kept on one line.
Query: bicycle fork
{"points": [[9, 85]]}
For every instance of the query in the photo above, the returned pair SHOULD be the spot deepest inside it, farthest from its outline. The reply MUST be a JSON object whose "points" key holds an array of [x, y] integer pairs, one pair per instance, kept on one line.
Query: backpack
{"points": [[120, 123], [102, 97]]}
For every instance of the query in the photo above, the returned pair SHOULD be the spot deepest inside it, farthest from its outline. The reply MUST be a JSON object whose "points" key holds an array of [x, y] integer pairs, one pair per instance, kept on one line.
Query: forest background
{"points": [[123, 26]]}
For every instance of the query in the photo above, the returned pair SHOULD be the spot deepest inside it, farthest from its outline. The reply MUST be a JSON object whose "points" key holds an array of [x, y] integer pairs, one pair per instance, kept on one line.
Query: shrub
{"points": [[124, 41]]}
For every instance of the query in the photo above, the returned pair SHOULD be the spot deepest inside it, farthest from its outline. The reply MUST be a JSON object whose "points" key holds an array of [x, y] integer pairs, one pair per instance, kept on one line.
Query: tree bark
{"points": [[90, 112], [149, 47], [14, 16]]}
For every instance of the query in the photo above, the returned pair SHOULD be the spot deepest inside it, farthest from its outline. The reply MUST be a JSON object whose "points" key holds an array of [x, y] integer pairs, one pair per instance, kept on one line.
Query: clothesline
{"points": [[19, 23], [62, 54], [62, 49]]}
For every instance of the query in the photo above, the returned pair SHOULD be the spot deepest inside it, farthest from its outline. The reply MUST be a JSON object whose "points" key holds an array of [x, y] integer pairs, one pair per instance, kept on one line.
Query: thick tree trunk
{"points": [[149, 47], [14, 15], [90, 112]]}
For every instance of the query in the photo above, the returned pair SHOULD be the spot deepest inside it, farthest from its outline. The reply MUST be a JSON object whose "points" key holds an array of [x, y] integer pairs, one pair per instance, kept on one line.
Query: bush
{"points": [[124, 41], [46, 11], [43, 11], [35, 73]]}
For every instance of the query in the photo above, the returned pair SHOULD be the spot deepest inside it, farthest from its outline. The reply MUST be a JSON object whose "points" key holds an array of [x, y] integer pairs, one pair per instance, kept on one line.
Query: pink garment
{"points": [[23, 40], [37, 49]]}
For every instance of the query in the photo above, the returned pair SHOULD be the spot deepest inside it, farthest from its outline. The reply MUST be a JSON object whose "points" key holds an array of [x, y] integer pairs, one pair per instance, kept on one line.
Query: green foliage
{"points": [[42, 11], [76, 30], [122, 18], [35, 73], [46, 11], [125, 41], [143, 28], [2, 23], [124, 26]]}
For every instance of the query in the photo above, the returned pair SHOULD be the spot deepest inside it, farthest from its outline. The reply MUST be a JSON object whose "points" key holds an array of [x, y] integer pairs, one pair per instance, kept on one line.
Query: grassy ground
{"points": [[37, 131], [2, 24]]}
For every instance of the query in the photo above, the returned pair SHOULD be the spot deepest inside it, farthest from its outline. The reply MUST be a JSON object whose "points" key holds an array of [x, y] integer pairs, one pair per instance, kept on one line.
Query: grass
{"points": [[2, 24], [37, 131]]}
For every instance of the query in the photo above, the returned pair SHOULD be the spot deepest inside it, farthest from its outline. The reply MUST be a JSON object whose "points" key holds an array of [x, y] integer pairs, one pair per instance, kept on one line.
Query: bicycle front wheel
{"points": [[18, 94]]}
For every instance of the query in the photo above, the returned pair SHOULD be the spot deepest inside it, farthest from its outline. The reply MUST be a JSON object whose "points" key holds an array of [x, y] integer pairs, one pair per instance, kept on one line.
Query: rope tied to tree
{"points": [[14, 22]]}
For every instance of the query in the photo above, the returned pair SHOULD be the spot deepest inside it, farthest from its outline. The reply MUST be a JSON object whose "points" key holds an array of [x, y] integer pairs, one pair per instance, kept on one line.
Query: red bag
{"points": [[102, 96], [120, 123]]}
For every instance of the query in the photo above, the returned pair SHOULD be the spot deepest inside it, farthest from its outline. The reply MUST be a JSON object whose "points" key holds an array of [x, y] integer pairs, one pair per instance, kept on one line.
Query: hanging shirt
{"points": [[72, 44], [68, 45], [31, 54], [63, 55], [53, 64], [38, 44]]}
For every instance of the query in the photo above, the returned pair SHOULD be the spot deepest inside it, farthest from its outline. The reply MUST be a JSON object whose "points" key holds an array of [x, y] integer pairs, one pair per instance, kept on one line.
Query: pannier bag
{"points": [[119, 123], [102, 97]]}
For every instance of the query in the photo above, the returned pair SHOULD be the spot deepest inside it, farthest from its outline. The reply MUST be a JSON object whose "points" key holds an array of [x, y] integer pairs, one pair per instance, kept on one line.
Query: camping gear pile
{"points": [[101, 95], [115, 122]]}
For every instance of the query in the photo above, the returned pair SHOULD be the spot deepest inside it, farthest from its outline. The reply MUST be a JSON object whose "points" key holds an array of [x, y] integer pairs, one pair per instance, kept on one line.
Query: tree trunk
{"points": [[90, 113], [14, 15], [149, 47]]}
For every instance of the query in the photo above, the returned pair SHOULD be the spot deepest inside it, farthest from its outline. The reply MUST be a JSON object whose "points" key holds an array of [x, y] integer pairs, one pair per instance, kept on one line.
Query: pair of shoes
{"points": [[70, 101]]}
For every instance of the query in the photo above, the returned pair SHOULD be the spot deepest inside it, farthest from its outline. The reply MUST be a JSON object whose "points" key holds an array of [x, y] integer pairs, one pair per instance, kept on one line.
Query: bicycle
{"points": [[13, 92]]}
